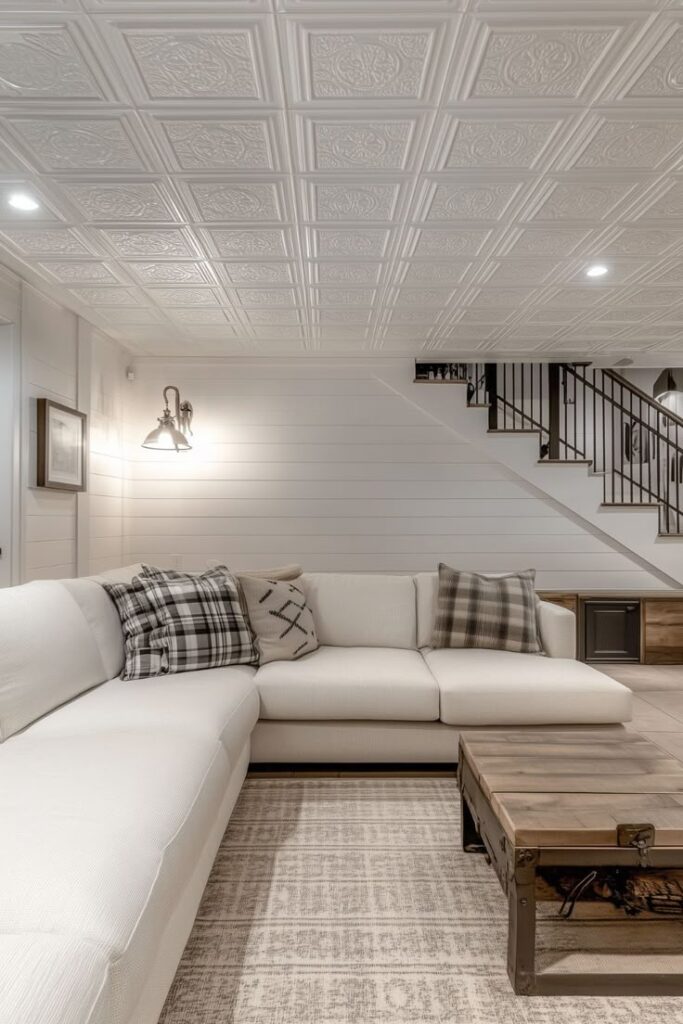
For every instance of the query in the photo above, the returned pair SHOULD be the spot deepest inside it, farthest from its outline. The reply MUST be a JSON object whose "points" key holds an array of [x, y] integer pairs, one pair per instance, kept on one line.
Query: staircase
{"points": [[592, 416], [600, 449]]}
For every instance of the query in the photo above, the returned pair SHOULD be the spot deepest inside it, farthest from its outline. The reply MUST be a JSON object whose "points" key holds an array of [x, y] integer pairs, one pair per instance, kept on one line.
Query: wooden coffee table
{"points": [[571, 799]]}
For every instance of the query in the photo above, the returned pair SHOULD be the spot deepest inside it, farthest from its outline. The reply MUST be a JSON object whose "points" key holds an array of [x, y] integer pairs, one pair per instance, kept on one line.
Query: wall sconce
{"points": [[170, 434]]}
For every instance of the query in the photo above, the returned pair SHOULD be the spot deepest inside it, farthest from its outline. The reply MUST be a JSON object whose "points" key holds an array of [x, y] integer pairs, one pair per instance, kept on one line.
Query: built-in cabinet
{"points": [[626, 627], [611, 631], [662, 628]]}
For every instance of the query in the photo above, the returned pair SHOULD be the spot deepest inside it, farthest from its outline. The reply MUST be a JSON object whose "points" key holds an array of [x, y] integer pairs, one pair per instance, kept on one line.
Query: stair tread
{"points": [[631, 504], [565, 462], [530, 430]]}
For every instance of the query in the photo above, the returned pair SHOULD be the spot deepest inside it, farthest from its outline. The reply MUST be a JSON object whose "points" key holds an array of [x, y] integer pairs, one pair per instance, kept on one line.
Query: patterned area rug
{"points": [[349, 901]]}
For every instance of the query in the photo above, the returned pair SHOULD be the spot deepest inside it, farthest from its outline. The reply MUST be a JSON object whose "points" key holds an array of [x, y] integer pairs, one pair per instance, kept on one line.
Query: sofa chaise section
{"points": [[113, 806], [498, 688]]}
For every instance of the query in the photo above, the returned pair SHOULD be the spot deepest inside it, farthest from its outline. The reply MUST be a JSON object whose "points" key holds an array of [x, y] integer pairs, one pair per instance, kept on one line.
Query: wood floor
{"points": [[658, 702]]}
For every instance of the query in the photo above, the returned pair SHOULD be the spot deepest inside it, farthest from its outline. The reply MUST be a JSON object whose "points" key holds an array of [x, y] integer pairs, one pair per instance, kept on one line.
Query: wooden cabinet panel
{"points": [[663, 632]]}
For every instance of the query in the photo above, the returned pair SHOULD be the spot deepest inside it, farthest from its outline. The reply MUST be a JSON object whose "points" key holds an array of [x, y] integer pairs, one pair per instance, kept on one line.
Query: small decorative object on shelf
{"points": [[60, 458], [441, 373]]}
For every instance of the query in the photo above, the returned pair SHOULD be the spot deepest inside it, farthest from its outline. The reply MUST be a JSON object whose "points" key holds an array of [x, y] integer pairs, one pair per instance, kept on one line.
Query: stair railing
{"points": [[587, 414]]}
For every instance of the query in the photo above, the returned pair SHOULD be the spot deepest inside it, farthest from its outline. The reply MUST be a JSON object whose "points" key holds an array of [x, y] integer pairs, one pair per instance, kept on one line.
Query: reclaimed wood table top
{"points": [[573, 787]]}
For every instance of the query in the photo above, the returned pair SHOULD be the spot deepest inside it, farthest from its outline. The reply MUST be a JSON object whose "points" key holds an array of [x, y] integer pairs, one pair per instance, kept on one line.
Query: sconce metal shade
{"points": [[167, 437], [668, 384], [668, 390]]}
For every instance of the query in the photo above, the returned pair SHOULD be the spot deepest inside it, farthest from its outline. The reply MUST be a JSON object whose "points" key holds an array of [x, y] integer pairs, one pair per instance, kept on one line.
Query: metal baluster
{"points": [[677, 471], [660, 489], [514, 396], [595, 426], [643, 448], [651, 438], [583, 412], [611, 420], [505, 390], [632, 465]]}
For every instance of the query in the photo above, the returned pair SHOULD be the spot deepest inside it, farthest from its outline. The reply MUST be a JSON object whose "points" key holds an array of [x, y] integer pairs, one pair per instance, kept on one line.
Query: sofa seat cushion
{"points": [[360, 683], [100, 834], [51, 979], [215, 704], [503, 688]]}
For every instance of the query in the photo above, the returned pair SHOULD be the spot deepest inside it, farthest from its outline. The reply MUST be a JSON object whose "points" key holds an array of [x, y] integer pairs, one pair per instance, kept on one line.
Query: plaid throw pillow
{"points": [[144, 656], [201, 624], [151, 572], [497, 612], [280, 618], [285, 572]]}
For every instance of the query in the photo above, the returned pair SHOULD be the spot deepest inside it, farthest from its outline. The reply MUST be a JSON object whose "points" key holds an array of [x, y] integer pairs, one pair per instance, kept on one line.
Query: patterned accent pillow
{"points": [[144, 656], [151, 572], [201, 624], [496, 612], [285, 572], [280, 618]]}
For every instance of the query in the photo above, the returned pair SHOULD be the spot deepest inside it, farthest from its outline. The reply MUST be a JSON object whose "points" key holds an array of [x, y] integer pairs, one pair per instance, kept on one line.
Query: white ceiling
{"points": [[380, 176]]}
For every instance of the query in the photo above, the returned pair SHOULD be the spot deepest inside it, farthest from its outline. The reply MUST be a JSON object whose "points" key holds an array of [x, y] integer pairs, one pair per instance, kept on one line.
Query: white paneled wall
{"points": [[49, 338], [107, 380], [64, 358], [317, 461]]}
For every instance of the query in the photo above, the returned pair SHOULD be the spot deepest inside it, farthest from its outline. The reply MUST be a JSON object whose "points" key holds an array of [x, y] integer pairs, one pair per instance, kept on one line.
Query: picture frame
{"points": [[62, 446], [636, 444]]}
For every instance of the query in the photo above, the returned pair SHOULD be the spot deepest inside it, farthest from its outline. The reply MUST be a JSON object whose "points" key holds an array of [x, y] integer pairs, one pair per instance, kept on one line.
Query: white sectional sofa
{"points": [[114, 795]]}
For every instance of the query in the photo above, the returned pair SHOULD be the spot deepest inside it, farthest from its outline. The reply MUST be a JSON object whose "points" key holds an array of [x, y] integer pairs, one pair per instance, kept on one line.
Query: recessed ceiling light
{"points": [[22, 201], [596, 270]]}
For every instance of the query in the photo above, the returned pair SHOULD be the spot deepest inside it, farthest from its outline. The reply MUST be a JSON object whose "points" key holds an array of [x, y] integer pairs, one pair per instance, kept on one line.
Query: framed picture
{"points": [[636, 444], [62, 434]]}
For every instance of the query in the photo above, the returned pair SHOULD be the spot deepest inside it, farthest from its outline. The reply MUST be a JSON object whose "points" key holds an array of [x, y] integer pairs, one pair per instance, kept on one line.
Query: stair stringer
{"points": [[573, 490]]}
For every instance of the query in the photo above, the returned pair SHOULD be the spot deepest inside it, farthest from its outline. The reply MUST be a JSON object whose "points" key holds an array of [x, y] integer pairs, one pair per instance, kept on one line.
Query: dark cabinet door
{"points": [[612, 630]]}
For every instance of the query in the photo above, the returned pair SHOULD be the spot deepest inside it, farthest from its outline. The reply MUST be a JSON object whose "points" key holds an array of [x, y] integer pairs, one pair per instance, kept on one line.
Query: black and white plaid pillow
{"points": [[201, 624], [140, 625], [496, 612], [152, 572]]}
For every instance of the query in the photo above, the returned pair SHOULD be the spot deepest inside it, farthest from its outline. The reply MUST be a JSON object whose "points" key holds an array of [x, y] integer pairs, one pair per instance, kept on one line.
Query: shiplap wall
{"points": [[53, 340], [103, 508], [49, 341], [316, 461]]}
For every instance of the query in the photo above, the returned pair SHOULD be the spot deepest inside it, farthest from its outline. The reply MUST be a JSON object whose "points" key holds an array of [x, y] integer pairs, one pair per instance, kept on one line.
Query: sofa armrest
{"points": [[557, 627]]}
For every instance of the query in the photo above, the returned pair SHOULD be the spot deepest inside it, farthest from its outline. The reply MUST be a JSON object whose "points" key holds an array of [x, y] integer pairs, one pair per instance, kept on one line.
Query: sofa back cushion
{"points": [[362, 610], [426, 592], [103, 619], [48, 652]]}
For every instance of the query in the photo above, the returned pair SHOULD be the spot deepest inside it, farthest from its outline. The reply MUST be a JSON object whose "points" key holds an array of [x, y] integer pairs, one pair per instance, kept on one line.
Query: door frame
{"points": [[9, 338]]}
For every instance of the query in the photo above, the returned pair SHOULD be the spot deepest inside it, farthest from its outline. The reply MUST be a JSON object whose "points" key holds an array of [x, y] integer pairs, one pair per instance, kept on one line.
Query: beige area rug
{"points": [[349, 901]]}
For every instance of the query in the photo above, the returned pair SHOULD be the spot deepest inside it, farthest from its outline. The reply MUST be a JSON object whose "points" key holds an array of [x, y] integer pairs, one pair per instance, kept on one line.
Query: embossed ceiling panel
{"points": [[350, 175]]}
